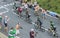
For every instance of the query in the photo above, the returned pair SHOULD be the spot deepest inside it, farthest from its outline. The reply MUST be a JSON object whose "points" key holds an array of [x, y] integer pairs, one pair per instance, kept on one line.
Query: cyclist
{"points": [[39, 23], [32, 33], [53, 28], [19, 11], [14, 6], [27, 15], [51, 25]]}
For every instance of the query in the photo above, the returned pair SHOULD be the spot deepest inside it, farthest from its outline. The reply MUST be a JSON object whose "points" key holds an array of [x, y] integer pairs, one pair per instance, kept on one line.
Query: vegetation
{"points": [[52, 5]]}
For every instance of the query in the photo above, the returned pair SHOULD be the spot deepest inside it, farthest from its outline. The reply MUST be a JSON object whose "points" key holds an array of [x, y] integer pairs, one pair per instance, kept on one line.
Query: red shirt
{"points": [[20, 10], [32, 34]]}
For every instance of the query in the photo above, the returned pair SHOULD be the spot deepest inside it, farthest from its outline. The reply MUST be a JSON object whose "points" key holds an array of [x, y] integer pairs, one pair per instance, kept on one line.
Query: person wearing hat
{"points": [[32, 33]]}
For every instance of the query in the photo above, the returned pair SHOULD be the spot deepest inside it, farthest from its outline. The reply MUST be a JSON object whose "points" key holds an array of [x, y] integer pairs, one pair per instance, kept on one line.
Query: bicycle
{"points": [[41, 28], [54, 33]]}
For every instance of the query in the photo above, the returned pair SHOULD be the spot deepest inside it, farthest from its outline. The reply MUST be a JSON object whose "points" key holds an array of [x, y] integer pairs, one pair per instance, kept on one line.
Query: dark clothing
{"points": [[54, 29], [5, 24], [57, 16], [30, 6], [39, 21], [27, 14], [31, 34]]}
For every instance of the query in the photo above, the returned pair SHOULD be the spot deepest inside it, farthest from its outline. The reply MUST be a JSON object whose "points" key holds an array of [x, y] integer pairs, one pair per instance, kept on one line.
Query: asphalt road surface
{"points": [[24, 33]]}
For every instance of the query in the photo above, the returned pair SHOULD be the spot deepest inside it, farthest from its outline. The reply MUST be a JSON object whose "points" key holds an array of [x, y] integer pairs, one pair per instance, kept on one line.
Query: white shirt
{"points": [[35, 3], [5, 20], [26, 6], [17, 32], [17, 37]]}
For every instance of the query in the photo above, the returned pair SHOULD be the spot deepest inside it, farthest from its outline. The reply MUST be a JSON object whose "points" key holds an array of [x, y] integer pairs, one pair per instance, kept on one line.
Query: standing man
{"points": [[26, 6], [12, 33], [6, 22], [36, 10], [17, 29], [44, 11]]}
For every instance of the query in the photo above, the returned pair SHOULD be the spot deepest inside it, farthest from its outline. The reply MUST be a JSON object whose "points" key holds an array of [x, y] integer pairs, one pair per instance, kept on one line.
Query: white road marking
{"points": [[4, 11], [8, 4], [14, 12], [4, 6], [41, 27]]}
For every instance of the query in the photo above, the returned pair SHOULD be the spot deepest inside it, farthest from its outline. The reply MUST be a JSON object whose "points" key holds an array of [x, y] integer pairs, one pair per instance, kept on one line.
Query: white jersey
{"points": [[17, 32], [35, 3], [5, 20], [17, 37], [26, 6]]}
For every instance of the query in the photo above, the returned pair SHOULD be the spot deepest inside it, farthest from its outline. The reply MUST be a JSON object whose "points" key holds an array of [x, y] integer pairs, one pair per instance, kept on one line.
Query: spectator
{"points": [[12, 33], [43, 13], [36, 10], [35, 3], [26, 6], [17, 29], [6, 22]]}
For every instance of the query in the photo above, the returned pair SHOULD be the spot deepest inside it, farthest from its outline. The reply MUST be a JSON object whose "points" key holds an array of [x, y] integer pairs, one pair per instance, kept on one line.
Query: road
{"points": [[24, 33]]}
